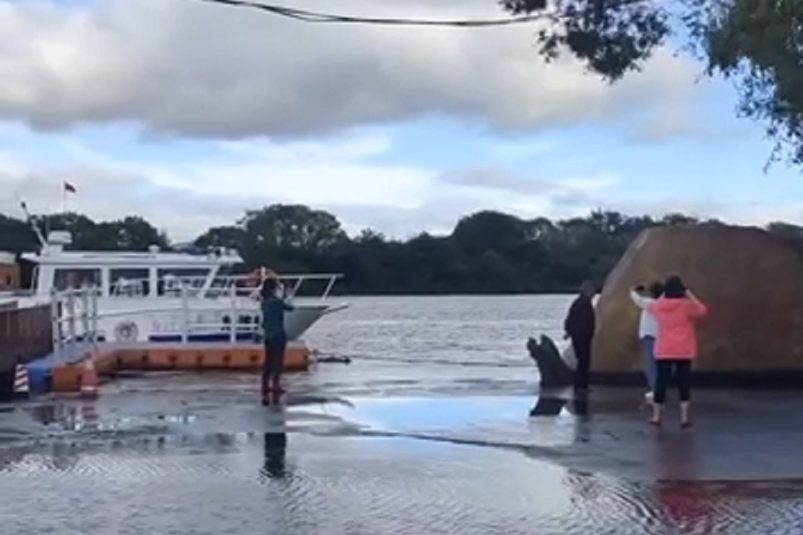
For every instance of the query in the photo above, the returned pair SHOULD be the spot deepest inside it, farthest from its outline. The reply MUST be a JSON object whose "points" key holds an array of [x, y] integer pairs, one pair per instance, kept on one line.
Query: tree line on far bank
{"points": [[487, 252]]}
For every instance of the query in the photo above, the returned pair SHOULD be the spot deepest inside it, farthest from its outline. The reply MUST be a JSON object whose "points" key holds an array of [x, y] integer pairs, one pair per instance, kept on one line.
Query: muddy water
{"points": [[434, 428]]}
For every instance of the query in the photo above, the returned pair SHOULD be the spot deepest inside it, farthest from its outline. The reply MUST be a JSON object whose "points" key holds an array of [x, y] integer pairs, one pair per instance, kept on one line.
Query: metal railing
{"points": [[206, 287], [75, 315]]}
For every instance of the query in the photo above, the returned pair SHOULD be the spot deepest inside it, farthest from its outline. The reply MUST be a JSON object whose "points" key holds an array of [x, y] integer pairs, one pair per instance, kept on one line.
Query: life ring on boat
{"points": [[126, 331]]}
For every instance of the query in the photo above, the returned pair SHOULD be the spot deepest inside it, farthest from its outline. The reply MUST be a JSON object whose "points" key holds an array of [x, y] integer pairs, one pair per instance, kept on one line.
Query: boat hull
{"points": [[296, 323], [208, 320]]}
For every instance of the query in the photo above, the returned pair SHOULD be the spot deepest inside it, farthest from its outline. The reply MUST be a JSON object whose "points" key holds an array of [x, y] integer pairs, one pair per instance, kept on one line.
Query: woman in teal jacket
{"points": [[274, 306]]}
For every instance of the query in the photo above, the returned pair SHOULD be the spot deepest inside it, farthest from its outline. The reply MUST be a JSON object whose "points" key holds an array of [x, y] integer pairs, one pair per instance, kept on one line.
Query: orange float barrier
{"points": [[296, 357], [105, 362], [160, 359], [66, 378], [215, 358], [125, 359], [246, 359], [70, 377], [194, 359]]}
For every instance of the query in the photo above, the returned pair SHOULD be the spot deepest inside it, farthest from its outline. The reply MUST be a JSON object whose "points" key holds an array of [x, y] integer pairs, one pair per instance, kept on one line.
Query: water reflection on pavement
{"points": [[212, 461]]}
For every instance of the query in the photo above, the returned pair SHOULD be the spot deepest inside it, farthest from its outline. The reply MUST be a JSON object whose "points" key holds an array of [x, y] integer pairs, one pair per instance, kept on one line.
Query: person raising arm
{"points": [[676, 345], [274, 305], [648, 331]]}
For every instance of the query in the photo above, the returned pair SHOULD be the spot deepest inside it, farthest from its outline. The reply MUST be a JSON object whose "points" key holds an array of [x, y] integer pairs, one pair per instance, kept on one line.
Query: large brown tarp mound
{"points": [[751, 280]]}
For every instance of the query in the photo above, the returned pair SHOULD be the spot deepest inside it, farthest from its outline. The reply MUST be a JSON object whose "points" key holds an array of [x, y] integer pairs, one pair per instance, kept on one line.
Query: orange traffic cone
{"points": [[89, 379], [21, 385]]}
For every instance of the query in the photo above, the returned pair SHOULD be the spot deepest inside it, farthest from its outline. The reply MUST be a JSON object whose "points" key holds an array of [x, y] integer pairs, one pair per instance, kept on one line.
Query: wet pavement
{"points": [[194, 454]]}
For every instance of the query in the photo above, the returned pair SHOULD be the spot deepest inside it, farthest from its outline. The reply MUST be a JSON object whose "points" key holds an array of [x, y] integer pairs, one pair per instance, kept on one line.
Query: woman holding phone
{"points": [[675, 313], [648, 332], [274, 305]]}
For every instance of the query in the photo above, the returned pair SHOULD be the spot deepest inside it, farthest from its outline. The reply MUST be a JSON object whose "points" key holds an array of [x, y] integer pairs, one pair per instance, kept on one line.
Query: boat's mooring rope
{"points": [[332, 358]]}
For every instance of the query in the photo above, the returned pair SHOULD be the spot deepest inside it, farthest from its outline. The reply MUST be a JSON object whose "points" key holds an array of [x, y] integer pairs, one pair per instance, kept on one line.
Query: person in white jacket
{"points": [[648, 331]]}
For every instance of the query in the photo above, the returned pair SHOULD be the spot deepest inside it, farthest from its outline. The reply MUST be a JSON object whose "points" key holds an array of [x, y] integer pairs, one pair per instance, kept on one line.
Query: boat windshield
{"points": [[221, 282], [171, 281], [129, 282]]}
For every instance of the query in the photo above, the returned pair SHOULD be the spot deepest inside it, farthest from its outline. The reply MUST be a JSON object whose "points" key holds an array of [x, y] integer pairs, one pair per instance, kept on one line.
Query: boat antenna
{"points": [[32, 221]]}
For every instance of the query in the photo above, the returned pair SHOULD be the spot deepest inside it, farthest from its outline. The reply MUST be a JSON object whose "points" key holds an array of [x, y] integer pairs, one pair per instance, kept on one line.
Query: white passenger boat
{"points": [[159, 296]]}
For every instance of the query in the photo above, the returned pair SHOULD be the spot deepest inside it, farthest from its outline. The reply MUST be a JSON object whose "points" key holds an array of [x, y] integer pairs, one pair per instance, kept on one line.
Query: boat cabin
{"points": [[151, 273]]}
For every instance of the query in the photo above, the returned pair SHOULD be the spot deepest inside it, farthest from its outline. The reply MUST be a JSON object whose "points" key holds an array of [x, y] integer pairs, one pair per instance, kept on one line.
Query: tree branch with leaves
{"points": [[755, 44]]}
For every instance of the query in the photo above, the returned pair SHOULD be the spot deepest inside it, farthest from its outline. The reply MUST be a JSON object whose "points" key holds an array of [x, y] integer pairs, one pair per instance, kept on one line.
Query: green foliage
{"points": [[487, 252], [611, 37], [757, 44]]}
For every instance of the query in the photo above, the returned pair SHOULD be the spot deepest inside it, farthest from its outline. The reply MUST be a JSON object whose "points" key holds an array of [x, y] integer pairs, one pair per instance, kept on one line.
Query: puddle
{"points": [[492, 421], [606, 435], [296, 484], [419, 413]]}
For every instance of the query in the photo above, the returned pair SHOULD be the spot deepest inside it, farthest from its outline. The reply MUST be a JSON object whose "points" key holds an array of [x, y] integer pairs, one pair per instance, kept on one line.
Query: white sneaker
{"points": [[648, 397]]}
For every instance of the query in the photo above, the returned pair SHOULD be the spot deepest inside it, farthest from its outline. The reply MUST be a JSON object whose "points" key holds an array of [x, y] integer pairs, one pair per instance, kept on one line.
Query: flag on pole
{"points": [[68, 188]]}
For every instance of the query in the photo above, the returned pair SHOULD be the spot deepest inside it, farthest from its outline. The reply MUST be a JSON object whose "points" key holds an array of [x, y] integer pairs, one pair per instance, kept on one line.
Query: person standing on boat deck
{"points": [[579, 327], [676, 345], [274, 305], [648, 331]]}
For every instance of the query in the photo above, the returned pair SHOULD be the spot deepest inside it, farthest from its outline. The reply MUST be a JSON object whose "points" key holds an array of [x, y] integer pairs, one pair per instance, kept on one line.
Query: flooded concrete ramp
{"points": [[206, 458]]}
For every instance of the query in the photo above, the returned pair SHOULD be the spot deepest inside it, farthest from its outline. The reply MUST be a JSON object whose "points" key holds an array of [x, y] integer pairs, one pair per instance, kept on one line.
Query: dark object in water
{"points": [[333, 359], [548, 406], [551, 406], [554, 371], [274, 465]]}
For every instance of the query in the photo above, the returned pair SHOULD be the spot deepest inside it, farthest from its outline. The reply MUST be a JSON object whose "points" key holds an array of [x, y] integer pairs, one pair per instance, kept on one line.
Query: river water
{"points": [[434, 427]]}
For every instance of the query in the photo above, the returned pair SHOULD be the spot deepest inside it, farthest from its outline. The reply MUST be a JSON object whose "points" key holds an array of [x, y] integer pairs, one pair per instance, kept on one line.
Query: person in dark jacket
{"points": [[579, 327], [273, 307]]}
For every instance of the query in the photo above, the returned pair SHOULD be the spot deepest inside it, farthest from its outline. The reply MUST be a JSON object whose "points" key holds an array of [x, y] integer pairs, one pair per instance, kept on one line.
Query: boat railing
{"points": [[74, 315], [17, 293], [237, 286], [74, 318]]}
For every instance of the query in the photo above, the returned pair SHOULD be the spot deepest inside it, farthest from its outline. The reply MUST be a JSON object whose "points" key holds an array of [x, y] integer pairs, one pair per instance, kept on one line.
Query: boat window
{"points": [[171, 280], [129, 282], [221, 282], [64, 278]]}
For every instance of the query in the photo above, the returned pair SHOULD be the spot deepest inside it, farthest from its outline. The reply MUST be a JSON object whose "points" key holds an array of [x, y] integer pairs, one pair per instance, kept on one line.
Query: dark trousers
{"points": [[273, 365], [582, 352], [682, 372]]}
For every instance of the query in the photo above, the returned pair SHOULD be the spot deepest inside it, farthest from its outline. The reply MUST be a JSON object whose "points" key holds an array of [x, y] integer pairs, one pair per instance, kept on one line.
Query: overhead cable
{"points": [[321, 17]]}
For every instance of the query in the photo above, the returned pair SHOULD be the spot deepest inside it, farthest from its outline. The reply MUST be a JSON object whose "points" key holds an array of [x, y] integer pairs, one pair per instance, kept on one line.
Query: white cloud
{"points": [[187, 198], [193, 68], [742, 213], [518, 150], [344, 177]]}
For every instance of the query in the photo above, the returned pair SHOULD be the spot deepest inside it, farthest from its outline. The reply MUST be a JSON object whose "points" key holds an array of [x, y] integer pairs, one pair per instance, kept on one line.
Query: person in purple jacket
{"points": [[579, 327]]}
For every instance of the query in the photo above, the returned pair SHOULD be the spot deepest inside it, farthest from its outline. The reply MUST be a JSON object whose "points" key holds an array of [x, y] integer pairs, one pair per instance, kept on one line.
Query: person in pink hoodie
{"points": [[676, 344]]}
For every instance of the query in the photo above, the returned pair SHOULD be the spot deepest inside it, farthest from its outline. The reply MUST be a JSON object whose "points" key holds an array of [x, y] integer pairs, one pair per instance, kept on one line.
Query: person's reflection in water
{"points": [[577, 406], [275, 466], [688, 507], [580, 406], [548, 406], [275, 445], [551, 406]]}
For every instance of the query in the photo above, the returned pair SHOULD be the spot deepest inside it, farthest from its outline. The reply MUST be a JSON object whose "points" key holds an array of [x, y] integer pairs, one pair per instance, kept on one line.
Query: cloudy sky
{"points": [[188, 113]]}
